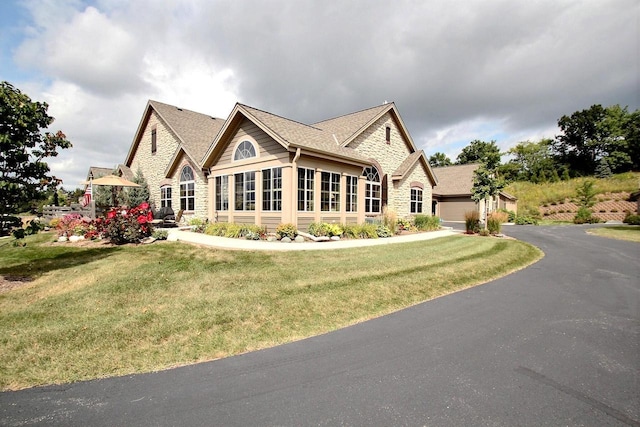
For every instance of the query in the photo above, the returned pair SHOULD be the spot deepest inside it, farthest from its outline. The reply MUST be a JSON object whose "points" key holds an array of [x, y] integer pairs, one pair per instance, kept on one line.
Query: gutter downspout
{"points": [[294, 187]]}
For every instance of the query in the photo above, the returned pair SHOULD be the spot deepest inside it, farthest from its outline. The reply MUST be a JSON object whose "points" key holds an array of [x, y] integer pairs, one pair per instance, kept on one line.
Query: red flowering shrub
{"points": [[128, 225], [73, 224]]}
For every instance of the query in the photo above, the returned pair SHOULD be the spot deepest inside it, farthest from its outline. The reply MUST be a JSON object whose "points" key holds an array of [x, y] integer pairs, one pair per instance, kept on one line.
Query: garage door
{"points": [[453, 209]]}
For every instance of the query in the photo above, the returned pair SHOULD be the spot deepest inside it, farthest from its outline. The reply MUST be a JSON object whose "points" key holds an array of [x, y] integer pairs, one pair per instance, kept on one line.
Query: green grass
{"points": [[532, 196], [105, 311], [630, 233]]}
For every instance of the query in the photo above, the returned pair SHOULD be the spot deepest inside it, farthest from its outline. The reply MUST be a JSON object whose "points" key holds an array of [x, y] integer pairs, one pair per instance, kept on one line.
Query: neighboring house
{"points": [[168, 147], [260, 168], [98, 172], [452, 196]]}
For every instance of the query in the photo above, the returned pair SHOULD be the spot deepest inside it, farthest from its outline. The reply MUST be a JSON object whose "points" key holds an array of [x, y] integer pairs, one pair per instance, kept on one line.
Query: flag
{"points": [[87, 194]]}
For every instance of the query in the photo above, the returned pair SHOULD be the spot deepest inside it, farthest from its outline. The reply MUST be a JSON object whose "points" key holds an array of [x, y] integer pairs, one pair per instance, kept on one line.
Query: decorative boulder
{"points": [[285, 240], [299, 239], [335, 238]]}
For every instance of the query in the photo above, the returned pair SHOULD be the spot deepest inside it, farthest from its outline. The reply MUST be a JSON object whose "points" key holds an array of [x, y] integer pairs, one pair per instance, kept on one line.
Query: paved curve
{"points": [[554, 344]]}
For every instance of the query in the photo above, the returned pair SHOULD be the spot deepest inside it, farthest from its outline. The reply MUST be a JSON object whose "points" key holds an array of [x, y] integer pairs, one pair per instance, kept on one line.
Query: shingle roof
{"points": [[196, 130], [97, 172], [454, 180], [345, 127], [297, 134]]}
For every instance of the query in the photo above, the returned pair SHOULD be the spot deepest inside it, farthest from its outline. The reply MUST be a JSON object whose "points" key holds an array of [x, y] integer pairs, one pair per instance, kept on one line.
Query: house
{"points": [[260, 168], [452, 196]]}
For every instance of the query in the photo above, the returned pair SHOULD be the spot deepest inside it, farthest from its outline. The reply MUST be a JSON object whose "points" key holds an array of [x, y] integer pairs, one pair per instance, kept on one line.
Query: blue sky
{"points": [[500, 70]]}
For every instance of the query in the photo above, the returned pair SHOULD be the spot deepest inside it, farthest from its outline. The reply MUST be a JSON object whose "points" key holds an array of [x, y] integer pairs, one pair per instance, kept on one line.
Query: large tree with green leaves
{"points": [[439, 159], [480, 152], [486, 185], [25, 144], [597, 133], [531, 160]]}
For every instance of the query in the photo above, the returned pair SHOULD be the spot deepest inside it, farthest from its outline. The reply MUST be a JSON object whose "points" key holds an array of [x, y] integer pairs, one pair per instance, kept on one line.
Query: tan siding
{"points": [[223, 218], [304, 221], [244, 219], [271, 222]]}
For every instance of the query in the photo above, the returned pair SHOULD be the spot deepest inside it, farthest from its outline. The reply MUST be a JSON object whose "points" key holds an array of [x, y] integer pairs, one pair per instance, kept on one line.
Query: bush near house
{"points": [[632, 219], [472, 222], [427, 222], [495, 221]]}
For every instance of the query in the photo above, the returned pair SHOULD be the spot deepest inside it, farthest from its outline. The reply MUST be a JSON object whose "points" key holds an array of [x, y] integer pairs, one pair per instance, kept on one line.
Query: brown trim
{"points": [[417, 184]]}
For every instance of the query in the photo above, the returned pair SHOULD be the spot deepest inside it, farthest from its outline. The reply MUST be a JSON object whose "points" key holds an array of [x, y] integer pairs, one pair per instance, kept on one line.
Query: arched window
{"points": [[245, 150], [187, 189], [165, 196], [373, 190]]}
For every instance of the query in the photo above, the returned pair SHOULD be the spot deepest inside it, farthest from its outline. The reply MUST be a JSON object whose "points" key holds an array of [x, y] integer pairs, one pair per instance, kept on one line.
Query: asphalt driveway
{"points": [[554, 344]]}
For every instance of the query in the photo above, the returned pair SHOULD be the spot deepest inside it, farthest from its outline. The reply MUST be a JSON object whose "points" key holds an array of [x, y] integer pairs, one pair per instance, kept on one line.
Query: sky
{"points": [[503, 70]]}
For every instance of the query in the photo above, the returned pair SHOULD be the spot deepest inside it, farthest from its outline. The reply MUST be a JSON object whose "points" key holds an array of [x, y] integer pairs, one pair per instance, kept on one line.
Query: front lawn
{"points": [[102, 311], [629, 232]]}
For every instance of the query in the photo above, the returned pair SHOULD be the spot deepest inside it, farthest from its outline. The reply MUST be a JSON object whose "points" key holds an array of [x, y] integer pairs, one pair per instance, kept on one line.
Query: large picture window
{"points": [[245, 194], [272, 189], [416, 200], [222, 193], [306, 179], [165, 196], [187, 189], [330, 192], [373, 190], [245, 150], [352, 193]]}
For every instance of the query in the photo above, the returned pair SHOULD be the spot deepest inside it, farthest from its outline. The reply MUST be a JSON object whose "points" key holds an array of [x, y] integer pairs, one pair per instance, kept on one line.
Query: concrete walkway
{"points": [[259, 245]]}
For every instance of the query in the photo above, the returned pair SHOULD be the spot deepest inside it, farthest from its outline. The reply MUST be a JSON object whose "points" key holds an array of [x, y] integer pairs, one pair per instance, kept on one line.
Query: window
{"points": [[245, 150], [245, 194], [187, 189], [352, 193], [373, 190], [272, 189], [330, 192], [222, 193], [416, 200], [306, 178], [165, 196], [154, 146], [388, 134]]}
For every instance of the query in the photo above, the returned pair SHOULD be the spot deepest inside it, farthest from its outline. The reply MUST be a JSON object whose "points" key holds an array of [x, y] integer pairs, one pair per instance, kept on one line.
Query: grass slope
{"points": [[117, 310], [532, 196], [630, 233]]}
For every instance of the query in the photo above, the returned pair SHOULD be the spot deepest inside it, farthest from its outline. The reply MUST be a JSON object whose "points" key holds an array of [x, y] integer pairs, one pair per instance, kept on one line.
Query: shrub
{"points": [[526, 220], [495, 221], [632, 219], [511, 215], [584, 216], [233, 231], [472, 222], [319, 229], [427, 222], [383, 231], [390, 219], [54, 222], [485, 233], [405, 224], [218, 229], [160, 234], [128, 226], [286, 230], [361, 231]]}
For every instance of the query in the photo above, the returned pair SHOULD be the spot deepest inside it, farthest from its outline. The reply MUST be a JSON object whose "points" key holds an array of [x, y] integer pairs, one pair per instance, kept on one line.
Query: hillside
{"points": [[554, 200]]}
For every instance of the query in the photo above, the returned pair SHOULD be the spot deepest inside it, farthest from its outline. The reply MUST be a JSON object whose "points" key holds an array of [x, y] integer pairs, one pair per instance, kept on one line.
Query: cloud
{"points": [[456, 71]]}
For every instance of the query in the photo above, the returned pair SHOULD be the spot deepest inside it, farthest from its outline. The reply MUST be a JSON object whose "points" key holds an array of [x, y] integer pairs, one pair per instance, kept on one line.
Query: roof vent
{"points": [[179, 109]]}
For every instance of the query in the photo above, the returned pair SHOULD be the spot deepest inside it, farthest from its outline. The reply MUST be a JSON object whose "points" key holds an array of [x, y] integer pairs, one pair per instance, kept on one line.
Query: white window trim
{"points": [[272, 190], [186, 184], [237, 146]]}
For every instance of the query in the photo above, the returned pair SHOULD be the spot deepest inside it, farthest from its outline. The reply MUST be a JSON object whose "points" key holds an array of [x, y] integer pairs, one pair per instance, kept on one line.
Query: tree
{"points": [[486, 185], [596, 133], [480, 152], [439, 159], [137, 195], [24, 147], [533, 159]]}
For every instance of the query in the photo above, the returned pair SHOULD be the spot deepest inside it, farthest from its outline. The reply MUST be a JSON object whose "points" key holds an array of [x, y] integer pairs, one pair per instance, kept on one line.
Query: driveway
{"points": [[554, 344]]}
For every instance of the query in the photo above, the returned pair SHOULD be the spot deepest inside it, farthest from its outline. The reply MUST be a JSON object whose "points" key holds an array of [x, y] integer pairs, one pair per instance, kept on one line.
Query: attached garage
{"points": [[454, 208]]}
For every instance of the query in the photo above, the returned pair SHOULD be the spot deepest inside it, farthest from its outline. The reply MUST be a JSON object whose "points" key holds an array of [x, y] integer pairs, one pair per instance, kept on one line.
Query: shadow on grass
{"points": [[37, 261]]}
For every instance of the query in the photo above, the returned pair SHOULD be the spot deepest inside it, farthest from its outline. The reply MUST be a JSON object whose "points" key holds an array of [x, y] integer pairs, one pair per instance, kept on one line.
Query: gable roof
{"points": [[347, 127], [455, 180], [288, 133], [407, 164], [195, 131]]}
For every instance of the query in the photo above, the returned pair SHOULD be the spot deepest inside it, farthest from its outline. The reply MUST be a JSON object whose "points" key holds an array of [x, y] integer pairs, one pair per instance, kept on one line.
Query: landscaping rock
{"points": [[272, 239], [335, 238], [285, 240], [299, 239]]}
